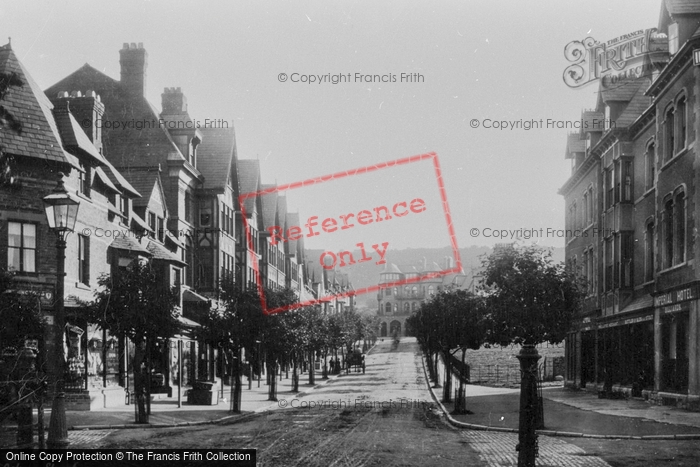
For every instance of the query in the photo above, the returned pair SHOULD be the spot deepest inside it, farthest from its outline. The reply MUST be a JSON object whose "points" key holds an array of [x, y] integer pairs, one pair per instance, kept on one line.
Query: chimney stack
{"points": [[134, 61], [174, 101]]}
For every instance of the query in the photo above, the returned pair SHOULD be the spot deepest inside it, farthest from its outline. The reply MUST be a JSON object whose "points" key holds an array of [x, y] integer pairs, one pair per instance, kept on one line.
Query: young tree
{"points": [[135, 303], [530, 300]]}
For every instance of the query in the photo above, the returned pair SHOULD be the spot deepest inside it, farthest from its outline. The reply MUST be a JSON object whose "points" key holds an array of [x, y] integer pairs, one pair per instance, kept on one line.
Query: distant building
{"points": [[396, 302]]}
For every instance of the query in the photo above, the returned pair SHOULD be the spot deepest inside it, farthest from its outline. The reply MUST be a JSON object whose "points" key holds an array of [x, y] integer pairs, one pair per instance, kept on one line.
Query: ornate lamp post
{"points": [[61, 212]]}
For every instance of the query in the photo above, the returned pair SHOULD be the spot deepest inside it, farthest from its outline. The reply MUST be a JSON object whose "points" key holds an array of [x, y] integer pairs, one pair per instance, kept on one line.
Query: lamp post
{"points": [[61, 212]]}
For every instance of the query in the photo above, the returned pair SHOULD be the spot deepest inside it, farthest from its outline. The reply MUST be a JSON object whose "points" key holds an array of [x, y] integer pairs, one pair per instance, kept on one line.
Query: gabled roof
{"points": [[118, 179], [134, 137], [145, 180], [292, 219], [248, 180], [99, 173], [638, 104], [215, 156], [269, 206], [39, 138]]}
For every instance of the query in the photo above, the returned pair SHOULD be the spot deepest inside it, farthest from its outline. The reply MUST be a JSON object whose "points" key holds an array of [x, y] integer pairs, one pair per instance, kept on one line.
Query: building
{"points": [[398, 300], [632, 218]]}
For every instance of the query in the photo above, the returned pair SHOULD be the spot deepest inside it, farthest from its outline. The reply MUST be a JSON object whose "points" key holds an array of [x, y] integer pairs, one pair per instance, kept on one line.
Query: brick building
{"points": [[632, 213]]}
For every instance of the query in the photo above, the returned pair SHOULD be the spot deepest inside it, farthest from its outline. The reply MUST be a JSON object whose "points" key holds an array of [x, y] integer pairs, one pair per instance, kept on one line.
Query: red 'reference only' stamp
{"points": [[368, 227]]}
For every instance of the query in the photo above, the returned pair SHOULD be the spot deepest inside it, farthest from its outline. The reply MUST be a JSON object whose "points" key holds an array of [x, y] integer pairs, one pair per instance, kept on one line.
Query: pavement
{"points": [[567, 413], [570, 413]]}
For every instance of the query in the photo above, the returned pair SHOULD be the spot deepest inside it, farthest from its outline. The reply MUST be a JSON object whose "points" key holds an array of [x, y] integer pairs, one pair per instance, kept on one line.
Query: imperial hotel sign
{"points": [[677, 300]]}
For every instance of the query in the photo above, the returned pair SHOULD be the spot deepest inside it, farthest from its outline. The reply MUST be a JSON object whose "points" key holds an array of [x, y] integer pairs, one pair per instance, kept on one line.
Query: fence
{"points": [[509, 374]]}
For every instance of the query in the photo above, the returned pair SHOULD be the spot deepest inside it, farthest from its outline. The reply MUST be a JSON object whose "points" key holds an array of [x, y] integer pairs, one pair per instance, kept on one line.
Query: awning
{"points": [[639, 303], [160, 252], [193, 297]]}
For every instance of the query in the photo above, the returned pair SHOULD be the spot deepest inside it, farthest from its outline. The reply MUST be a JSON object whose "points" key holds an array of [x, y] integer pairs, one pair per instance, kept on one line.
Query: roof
{"points": [[160, 252], [118, 179], [129, 244], [39, 137], [143, 180], [73, 135], [146, 145], [638, 104], [248, 180], [623, 90], [105, 179], [292, 219], [574, 143], [682, 7], [215, 155], [269, 206]]}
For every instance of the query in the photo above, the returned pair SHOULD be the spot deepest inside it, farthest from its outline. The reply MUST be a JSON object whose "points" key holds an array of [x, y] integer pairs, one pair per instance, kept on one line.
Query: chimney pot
{"points": [[62, 94], [125, 46], [133, 45], [140, 45]]}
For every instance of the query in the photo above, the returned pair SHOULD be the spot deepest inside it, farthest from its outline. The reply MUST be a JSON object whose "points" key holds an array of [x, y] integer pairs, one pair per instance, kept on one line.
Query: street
{"points": [[383, 417]]}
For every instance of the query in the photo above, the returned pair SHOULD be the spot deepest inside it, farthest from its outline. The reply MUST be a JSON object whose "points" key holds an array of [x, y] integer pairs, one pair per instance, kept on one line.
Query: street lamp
{"points": [[61, 212]]}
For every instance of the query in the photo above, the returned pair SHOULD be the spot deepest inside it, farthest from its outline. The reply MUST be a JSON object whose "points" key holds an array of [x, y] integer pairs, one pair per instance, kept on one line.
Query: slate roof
{"points": [[624, 90], [160, 252], [248, 180], [215, 155], [269, 206], [145, 143], [129, 244], [39, 138], [292, 219], [118, 179], [638, 104], [72, 134], [574, 143], [143, 180]]}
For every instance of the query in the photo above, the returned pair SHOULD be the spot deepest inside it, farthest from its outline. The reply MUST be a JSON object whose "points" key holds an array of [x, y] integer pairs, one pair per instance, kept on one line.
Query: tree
{"points": [[530, 300], [137, 304]]}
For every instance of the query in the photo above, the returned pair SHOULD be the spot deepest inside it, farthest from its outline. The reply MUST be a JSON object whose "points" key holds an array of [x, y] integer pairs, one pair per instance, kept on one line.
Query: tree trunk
{"points": [[140, 376], [447, 386], [295, 376], [272, 378], [312, 373]]}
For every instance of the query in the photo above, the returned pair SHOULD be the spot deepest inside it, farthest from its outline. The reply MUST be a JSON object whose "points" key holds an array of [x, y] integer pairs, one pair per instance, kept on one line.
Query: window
{"points": [[387, 307], [396, 308], [609, 264], [591, 273], [387, 291], [83, 259], [609, 188], [84, 180], [649, 252], [188, 207], [669, 129], [679, 217], [627, 174], [650, 162], [123, 205], [668, 234], [21, 247], [160, 228], [152, 223], [680, 124], [406, 307], [627, 255], [585, 209]]}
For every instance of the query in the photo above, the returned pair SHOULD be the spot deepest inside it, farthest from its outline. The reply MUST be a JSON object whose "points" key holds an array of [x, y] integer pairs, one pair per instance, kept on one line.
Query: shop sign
{"points": [[676, 296]]}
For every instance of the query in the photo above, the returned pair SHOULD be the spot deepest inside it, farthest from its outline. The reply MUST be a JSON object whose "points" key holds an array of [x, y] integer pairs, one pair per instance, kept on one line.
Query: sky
{"points": [[470, 63]]}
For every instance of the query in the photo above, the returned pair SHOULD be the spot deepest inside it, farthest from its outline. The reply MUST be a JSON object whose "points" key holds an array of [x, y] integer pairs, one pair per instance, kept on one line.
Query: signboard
{"points": [[677, 296]]}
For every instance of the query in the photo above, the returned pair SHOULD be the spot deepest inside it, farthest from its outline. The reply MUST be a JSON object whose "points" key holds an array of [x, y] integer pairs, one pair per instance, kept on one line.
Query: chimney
{"points": [[88, 111], [133, 60], [174, 101]]}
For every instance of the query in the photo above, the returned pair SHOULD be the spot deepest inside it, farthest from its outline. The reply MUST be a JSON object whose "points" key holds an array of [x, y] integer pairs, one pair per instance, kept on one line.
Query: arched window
{"points": [[650, 162], [431, 290], [387, 308], [415, 306], [669, 129], [396, 308], [406, 307]]}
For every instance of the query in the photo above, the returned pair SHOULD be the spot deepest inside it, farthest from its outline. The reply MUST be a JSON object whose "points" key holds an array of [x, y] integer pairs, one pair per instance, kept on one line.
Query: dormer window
{"points": [[84, 180]]}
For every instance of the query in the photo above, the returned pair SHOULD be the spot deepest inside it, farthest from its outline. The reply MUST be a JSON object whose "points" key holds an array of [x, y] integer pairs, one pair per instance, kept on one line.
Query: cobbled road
{"points": [[383, 417]]}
